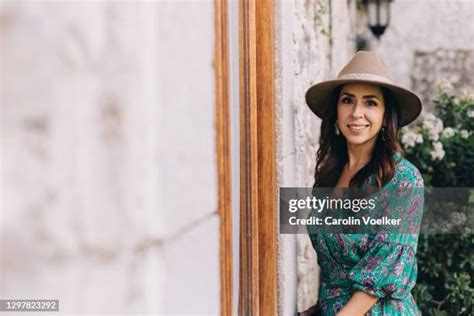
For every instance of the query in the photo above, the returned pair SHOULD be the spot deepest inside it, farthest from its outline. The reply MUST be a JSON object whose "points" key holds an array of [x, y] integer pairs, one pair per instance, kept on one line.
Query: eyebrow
{"points": [[364, 97]]}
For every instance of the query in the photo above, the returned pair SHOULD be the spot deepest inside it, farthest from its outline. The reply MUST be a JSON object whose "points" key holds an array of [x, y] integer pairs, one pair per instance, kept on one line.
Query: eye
{"points": [[372, 103], [346, 100]]}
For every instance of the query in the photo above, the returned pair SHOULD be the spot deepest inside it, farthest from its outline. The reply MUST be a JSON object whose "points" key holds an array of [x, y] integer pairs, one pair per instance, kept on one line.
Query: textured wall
{"points": [[108, 193], [314, 41], [442, 29], [433, 68]]}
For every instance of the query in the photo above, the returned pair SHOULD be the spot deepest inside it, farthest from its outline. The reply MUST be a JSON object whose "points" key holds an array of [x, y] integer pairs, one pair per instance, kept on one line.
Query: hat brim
{"points": [[318, 98]]}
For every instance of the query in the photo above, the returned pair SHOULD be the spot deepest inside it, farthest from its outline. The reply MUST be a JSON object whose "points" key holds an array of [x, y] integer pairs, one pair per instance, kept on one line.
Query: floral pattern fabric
{"points": [[379, 264]]}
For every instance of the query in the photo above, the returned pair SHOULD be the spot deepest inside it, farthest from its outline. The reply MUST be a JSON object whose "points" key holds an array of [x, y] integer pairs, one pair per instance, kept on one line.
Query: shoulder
{"points": [[407, 173]]}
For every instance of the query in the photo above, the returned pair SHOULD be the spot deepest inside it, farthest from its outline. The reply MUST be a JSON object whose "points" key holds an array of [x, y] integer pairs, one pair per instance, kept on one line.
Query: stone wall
{"points": [[431, 69], [108, 196], [314, 40], [427, 41]]}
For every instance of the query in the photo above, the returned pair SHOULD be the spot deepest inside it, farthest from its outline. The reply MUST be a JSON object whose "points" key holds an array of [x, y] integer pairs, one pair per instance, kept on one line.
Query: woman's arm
{"points": [[358, 305]]}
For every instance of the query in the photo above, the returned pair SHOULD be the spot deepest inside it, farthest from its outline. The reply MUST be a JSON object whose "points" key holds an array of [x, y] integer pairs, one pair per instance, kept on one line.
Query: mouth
{"points": [[357, 127]]}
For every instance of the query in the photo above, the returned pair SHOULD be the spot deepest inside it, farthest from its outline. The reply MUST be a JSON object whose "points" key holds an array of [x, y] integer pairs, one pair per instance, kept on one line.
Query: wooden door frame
{"points": [[223, 152], [258, 217]]}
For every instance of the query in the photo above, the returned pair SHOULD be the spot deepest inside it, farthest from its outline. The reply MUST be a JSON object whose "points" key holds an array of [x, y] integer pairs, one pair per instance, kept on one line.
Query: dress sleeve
{"points": [[389, 268]]}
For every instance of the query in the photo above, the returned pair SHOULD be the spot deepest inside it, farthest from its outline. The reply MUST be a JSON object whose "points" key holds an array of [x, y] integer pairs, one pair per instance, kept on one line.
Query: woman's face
{"points": [[360, 112]]}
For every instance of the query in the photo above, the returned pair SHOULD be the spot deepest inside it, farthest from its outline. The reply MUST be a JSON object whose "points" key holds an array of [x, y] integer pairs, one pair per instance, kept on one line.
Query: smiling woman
{"points": [[360, 115], [360, 118], [361, 112], [364, 119]]}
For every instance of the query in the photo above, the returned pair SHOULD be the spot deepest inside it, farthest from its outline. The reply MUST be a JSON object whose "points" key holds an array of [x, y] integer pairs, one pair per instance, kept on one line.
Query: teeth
{"points": [[357, 128]]}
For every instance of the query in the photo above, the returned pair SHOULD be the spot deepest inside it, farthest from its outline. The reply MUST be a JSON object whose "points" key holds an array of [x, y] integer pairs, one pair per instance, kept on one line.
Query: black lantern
{"points": [[378, 15]]}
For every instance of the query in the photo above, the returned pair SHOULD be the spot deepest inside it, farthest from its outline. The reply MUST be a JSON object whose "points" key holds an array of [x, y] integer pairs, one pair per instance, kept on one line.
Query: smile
{"points": [[357, 127]]}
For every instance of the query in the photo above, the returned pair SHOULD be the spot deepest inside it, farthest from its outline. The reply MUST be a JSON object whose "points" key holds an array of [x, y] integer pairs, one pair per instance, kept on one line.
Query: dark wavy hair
{"points": [[332, 153]]}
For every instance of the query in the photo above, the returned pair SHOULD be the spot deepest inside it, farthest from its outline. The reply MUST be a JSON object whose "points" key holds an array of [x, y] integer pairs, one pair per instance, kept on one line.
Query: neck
{"points": [[359, 154]]}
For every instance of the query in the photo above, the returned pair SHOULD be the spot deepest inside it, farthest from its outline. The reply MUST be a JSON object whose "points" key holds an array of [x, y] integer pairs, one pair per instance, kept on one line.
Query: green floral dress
{"points": [[379, 264]]}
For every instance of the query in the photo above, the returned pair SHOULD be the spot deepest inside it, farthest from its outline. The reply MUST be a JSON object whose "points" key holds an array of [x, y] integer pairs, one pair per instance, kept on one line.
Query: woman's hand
{"points": [[344, 314], [341, 313], [359, 304]]}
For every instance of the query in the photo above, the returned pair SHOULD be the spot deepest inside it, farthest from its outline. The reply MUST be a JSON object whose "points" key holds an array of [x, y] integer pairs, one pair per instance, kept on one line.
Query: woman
{"points": [[362, 111]]}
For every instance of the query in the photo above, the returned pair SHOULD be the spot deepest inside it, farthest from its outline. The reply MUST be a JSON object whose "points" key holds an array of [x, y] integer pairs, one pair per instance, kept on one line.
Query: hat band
{"points": [[362, 76]]}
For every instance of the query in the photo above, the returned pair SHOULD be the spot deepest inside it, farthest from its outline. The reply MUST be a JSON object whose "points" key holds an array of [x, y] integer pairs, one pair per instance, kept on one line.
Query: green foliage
{"points": [[322, 10], [442, 147]]}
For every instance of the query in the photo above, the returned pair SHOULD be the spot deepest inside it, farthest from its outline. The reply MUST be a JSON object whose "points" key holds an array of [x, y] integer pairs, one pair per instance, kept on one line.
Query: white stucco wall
{"points": [[108, 177], [427, 26], [313, 41]]}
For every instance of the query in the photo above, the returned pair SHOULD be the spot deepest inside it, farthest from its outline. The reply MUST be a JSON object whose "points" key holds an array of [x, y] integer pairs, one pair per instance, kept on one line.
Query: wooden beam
{"points": [[249, 286], [223, 153], [258, 287], [267, 192]]}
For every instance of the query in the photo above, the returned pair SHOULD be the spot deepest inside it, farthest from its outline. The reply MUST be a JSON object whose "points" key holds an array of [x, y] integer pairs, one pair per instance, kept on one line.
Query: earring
{"points": [[383, 133], [337, 132]]}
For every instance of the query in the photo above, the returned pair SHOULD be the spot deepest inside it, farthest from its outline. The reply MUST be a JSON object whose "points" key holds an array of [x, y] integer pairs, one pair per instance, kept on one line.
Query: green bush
{"points": [[441, 145]]}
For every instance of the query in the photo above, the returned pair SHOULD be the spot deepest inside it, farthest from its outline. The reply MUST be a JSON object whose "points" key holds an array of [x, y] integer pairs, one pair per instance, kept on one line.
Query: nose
{"points": [[357, 111]]}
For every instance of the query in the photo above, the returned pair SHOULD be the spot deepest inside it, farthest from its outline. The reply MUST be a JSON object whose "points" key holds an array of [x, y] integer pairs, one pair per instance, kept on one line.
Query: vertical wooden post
{"points": [[222, 121], [267, 192], [258, 287], [249, 274]]}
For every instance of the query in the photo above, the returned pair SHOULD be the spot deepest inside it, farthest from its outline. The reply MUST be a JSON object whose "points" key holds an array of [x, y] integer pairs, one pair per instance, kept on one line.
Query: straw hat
{"points": [[364, 67]]}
